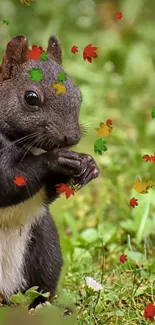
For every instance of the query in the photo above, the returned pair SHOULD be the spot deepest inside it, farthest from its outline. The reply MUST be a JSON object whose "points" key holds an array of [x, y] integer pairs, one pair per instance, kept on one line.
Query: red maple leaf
{"points": [[63, 188], [34, 54], [149, 312], [133, 202], [118, 15], [147, 158], [109, 122], [153, 158], [123, 258], [20, 180], [89, 53], [74, 49]]}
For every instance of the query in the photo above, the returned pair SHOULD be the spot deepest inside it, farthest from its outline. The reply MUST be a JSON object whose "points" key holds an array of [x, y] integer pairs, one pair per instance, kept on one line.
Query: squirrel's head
{"points": [[32, 109]]}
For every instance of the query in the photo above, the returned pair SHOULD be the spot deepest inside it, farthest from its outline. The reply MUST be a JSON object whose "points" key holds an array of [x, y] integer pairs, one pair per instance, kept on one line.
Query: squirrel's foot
{"points": [[32, 311], [89, 171]]}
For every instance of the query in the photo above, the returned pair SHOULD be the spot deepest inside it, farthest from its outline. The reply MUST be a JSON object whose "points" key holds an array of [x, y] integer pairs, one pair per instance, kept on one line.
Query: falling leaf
{"points": [[43, 56], [133, 202], [74, 49], [153, 158], [123, 258], [109, 122], [147, 158], [36, 75], [61, 76], [27, 2], [149, 312], [34, 54], [63, 188], [153, 112], [93, 284], [140, 187], [99, 146], [20, 180], [6, 21], [89, 53], [118, 15], [104, 130], [59, 87], [150, 184]]}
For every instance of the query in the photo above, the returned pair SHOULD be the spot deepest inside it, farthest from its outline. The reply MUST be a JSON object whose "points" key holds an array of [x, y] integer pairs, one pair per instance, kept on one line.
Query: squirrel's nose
{"points": [[70, 141]]}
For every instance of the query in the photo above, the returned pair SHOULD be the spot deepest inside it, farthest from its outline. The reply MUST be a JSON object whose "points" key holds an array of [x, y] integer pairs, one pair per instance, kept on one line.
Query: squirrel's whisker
{"points": [[36, 141], [18, 141]]}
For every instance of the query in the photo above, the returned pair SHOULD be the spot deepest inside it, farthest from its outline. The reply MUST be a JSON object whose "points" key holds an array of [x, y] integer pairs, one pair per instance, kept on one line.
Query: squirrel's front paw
{"points": [[64, 161], [89, 170], [80, 167]]}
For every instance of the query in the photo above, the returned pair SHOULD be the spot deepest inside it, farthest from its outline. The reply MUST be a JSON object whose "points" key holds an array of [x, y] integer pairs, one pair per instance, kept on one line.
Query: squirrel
{"points": [[37, 130]]}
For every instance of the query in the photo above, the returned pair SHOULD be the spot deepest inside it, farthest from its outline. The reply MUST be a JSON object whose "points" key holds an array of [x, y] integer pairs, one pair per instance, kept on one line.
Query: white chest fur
{"points": [[13, 242], [12, 247]]}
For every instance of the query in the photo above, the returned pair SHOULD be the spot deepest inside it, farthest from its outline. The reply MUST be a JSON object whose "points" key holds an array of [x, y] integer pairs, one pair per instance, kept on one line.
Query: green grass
{"points": [[98, 225]]}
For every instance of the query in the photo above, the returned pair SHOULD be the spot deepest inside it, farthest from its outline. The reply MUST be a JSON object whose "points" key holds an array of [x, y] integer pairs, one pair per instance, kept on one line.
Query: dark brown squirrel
{"points": [[32, 116]]}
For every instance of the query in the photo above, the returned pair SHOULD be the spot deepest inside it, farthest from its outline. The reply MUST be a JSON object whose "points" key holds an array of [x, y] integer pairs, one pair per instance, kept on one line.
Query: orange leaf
{"points": [[89, 53], [147, 158], [123, 258], [20, 180], [149, 312], [133, 202], [109, 122], [34, 54], [153, 158], [63, 188], [74, 49]]}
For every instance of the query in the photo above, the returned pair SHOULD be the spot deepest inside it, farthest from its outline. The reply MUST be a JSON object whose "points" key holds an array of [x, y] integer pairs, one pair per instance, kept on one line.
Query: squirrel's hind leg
{"points": [[43, 259]]}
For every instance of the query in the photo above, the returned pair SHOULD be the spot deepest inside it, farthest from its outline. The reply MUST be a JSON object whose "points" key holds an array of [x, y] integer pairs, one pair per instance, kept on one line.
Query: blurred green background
{"points": [[98, 223]]}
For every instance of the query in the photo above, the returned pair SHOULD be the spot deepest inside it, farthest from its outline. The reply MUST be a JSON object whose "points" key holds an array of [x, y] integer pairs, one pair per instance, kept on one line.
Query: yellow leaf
{"points": [[104, 130], [139, 186], [27, 2], [59, 87]]}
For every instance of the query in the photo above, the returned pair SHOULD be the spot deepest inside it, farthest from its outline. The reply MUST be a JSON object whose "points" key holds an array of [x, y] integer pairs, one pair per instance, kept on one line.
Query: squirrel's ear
{"points": [[16, 53], [54, 49]]}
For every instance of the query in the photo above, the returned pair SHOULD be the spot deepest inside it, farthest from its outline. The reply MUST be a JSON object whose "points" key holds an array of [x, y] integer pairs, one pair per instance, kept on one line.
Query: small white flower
{"points": [[94, 285]]}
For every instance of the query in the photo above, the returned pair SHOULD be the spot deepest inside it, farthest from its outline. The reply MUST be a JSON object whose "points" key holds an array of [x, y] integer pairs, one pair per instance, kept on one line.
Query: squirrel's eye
{"points": [[32, 98]]}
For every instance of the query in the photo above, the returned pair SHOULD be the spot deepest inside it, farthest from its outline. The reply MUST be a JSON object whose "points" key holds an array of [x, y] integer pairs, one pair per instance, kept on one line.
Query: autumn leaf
{"points": [[59, 87], [6, 21], [104, 130], [149, 312], [133, 202], [36, 75], [140, 187], [109, 122], [74, 49], [153, 158], [43, 56], [150, 184], [34, 54], [153, 112], [147, 158], [118, 15], [99, 146], [123, 258], [61, 76], [63, 188], [89, 53], [20, 180], [27, 2]]}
